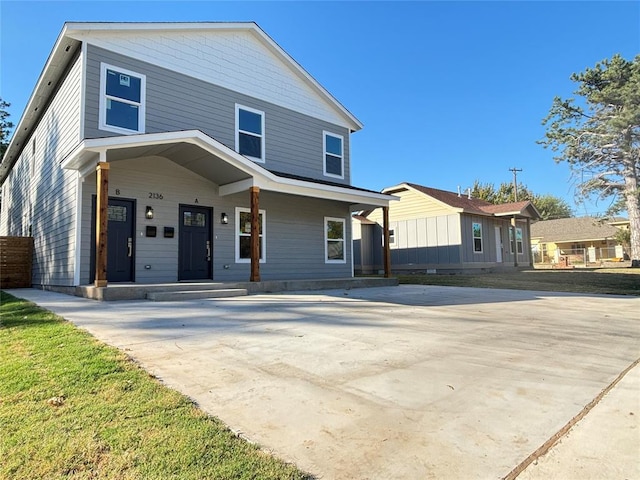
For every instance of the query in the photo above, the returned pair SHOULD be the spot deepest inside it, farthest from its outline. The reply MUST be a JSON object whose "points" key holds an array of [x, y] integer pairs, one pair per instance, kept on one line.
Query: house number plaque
{"points": [[156, 196]]}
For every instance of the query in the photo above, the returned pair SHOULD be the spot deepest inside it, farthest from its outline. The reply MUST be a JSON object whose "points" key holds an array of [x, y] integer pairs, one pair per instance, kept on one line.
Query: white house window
{"points": [[122, 100], [519, 245], [392, 236], [334, 240], [250, 133], [477, 238], [333, 155], [243, 236]]}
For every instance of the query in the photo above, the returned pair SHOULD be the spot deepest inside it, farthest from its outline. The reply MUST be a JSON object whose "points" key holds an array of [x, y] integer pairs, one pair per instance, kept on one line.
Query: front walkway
{"points": [[409, 382]]}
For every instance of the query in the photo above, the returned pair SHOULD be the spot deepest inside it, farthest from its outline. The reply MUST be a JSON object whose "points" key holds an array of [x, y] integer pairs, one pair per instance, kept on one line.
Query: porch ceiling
{"points": [[187, 155]]}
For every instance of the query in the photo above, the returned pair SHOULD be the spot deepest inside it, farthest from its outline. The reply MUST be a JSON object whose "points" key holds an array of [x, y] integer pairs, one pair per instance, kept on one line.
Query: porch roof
{"points": [[215, 161]]}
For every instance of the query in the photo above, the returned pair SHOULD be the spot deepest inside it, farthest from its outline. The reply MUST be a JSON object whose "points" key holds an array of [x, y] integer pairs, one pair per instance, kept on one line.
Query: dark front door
{"points": [[120, 237], [120, 240], [195, 244]]}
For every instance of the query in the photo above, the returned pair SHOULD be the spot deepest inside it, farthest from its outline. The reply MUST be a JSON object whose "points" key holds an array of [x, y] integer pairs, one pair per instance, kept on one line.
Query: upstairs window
{"points": [[333, 155], [477, 238], [250, 133], [122, 100]]}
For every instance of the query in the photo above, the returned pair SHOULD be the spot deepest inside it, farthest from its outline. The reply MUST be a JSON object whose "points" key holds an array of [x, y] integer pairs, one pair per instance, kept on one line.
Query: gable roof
{"points": [[572, 230], [73, 34], [472, 205]]}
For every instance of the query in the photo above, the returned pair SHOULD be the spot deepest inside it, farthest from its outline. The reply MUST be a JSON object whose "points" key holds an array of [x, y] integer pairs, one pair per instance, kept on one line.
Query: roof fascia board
{"points": [[26, 122], [80, 29]]}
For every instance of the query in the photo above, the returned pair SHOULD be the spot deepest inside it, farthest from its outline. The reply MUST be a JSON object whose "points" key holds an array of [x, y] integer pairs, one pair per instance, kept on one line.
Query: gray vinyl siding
{"points": [[367, 248], [488, 253], [293, 141], [489, 244], [294, 236], [39, 195]]}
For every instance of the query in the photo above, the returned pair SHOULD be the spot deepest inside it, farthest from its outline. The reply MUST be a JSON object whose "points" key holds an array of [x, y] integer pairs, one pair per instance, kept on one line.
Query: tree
{"points": [[600, 137], [5, 127], [549, 206]]}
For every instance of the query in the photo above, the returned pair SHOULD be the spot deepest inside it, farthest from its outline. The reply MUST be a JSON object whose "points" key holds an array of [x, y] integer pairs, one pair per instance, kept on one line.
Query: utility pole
{"points": [[514, 245], [515, 181]]}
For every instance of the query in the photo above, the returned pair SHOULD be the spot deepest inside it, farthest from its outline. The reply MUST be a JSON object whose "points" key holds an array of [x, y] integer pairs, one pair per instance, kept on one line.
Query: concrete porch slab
{"points": [[140, 291]]}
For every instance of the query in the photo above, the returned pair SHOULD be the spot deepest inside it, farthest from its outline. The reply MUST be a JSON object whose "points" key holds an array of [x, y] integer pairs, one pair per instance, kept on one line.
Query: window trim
{"points": [[325, 153], [102, 112], [263, 237], [520, 243], [327, 260], [473, 235], [262, 136]]}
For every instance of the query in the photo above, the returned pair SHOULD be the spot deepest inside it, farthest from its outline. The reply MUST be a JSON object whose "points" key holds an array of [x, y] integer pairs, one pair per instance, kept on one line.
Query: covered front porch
{"points": [[144, 169]]}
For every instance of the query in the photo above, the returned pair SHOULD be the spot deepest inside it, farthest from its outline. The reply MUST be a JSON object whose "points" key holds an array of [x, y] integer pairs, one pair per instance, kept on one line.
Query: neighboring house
{"points": [[580, 240], [160, 152], [431, 229]]}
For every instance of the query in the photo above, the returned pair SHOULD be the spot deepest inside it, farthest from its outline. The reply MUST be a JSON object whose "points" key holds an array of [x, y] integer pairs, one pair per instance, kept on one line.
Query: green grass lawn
{"points": [[618, 281], [108, 419]]}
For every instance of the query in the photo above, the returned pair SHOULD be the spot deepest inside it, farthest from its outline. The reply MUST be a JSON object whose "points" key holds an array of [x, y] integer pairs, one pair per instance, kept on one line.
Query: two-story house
{"points": [[162, 152]]}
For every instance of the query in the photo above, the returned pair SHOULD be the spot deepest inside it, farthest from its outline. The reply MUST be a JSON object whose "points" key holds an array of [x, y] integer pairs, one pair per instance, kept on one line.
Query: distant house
{"points": [[164, 152], [581, 240], [431, 229]]}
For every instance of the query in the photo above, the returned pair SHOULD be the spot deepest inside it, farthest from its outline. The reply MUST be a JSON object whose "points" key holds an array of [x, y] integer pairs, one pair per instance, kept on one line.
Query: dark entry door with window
{"points": [[195, 244], [120, 240]]}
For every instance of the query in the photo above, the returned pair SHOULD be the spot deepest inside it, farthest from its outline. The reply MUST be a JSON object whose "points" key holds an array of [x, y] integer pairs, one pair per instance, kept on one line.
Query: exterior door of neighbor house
{"points": [[498, 244], [195, 244], [120, 239]]}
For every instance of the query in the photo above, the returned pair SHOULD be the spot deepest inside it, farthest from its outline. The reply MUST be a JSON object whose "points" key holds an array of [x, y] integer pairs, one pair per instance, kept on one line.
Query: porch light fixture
{"points": [[224, 219], [148, 213]]}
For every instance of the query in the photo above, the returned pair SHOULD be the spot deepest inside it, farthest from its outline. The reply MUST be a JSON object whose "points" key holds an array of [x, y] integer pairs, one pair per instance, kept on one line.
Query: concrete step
{"points": [[195, 294]]}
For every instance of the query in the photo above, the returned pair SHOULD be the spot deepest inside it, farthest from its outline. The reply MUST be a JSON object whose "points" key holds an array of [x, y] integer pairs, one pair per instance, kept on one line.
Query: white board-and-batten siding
{"points": [[236, 60], [39, 196], [176, 101]]}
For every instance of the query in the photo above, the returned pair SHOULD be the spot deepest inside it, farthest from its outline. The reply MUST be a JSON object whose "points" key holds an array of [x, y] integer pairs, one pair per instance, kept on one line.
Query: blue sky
{"points": [[449, 92]]}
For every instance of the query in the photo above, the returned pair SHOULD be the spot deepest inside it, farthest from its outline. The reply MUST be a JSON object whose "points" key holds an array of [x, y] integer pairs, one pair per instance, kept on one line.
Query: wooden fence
{"points": [[16, 256]]}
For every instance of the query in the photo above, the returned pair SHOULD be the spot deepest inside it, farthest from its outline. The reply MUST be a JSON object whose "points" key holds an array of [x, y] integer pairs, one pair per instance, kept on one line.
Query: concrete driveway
{"points": [[409, 382]]}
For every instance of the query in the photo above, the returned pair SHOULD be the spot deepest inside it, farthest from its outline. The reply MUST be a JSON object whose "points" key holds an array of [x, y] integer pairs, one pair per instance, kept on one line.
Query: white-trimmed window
{"points": [[250, 133], [334, 230], [477, 237], [243, 235], [122, 100], [392, 236], [333, 146], [519, 244]]}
